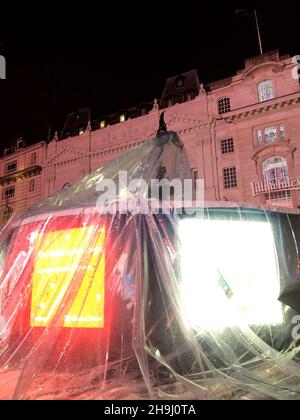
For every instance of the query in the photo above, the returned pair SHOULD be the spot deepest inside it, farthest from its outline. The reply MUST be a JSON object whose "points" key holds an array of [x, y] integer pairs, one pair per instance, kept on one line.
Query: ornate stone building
{"points": [[242, 135]]}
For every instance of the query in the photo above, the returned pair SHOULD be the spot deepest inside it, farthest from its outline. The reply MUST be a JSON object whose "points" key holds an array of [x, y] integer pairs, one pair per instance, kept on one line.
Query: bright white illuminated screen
{"points": [[229, 273]]}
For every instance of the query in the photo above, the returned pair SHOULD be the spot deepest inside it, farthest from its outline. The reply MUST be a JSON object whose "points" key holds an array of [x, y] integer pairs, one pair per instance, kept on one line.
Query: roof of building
{"points": [[178, 86]]}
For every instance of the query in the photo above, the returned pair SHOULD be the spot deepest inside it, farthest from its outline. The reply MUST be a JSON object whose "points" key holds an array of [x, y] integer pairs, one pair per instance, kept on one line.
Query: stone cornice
{"points": [[78, 153], [22, 174], [120, 148], [262, 107]]}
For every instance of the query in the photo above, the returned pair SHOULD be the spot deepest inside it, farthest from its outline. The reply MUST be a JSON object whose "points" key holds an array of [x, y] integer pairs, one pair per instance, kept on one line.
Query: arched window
{"points": [[6, 215], [224, 105], [265, 90], [275, 169]]}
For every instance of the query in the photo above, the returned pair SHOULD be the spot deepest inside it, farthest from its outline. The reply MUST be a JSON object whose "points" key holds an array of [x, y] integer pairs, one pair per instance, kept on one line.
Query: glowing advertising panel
{"points": [[229, 273], [68, 278]]}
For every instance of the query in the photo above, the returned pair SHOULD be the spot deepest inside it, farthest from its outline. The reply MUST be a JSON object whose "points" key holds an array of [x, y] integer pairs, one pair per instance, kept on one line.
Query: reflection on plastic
{"points": [[59, 255], [142, 306]]}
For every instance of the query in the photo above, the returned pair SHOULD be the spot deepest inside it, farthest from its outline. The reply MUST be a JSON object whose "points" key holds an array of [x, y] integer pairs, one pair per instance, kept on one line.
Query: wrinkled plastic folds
{"points": [[137, 306]]}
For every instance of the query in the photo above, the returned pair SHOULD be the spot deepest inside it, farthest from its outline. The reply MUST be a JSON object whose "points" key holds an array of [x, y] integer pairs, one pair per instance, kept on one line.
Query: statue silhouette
{"points": [[162, 125]]}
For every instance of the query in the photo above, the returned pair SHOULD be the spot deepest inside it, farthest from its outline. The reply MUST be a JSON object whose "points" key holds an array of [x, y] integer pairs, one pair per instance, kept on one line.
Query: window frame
{"points": [[226, 108], [262, 130], [262, 82], [195, 175], [33, 158], [4, 197], [7, 214], [225, 146], [284, 166], [229, 178], [9, 171], [31, 185]]}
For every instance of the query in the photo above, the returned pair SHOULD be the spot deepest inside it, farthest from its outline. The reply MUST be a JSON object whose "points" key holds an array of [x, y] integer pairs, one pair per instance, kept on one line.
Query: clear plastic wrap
{"points": [[171, 306]]}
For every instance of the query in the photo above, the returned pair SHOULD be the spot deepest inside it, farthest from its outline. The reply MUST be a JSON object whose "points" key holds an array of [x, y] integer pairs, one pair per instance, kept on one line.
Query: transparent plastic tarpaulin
{"points": [[137, 305]]}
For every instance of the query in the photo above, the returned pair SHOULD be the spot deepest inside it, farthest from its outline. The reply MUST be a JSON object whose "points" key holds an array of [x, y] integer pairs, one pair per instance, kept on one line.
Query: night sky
{"points": [[109, 58]]}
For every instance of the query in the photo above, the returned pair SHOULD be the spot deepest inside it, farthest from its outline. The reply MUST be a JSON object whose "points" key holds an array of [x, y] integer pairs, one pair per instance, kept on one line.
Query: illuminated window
{"points": [[282, 132], [103, 124], [33, 158], [265, 91], [32, 185], [270, 135], [227, 146], [220, 286], [122, 118], [229, 178], [279, 199], [224, 105], [11, 167], [9, 193], [69, 270], [275, 169], [20, 144], [259, 137], [6, 215]]}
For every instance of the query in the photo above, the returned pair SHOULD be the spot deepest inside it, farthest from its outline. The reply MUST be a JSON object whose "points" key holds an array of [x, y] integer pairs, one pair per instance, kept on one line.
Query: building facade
{"points": [[21, 178], [242, 136]]}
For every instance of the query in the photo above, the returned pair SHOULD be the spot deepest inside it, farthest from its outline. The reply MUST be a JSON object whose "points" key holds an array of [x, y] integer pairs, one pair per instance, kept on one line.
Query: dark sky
{"points": [[112, 57]]}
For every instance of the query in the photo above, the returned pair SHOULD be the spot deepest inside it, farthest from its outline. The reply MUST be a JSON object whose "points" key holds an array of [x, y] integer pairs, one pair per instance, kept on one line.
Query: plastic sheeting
{"points": [[176, 306]]}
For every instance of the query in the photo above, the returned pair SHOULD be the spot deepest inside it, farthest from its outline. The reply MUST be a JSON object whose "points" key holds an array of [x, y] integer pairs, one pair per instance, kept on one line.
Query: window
{"points": [[9, 192], [275, 169], [6, 215], [227, 146], [122, 118], [66, 187], [103, 124], [188, 96], [230, 179], [195, 177], [20, 144], [224, 105], [282, 132], [11, 167], [279, 199], [169, 102], [270, 135], [259, 137], [32, 185], [33, 158], [265, 90]]}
